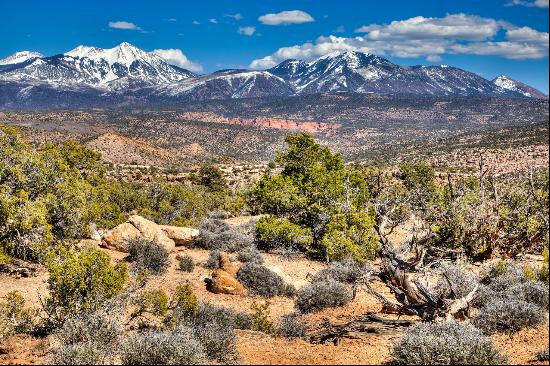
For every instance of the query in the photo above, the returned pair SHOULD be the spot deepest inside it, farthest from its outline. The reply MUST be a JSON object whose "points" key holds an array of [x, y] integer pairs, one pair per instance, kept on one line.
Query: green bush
{"points": [[15, 318], [82, 281], [445, 343], [186, 301], [350, 235], [316, 203], [273, 233], [260, 318]]}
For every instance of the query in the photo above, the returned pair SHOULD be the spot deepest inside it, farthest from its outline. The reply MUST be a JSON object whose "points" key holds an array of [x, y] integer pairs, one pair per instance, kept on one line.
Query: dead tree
{"points": [[356, 329]]}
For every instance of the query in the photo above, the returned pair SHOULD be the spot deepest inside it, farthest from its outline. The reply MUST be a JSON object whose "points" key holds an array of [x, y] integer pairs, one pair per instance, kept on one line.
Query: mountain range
{"points": [[126, 75]]}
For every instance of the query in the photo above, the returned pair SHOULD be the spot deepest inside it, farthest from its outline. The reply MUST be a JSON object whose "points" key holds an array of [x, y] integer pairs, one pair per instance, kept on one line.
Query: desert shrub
{"points": [[154, 301], [219, 215], [454, 281], [97, 328], [320, 295], [262, 281], [186, 301], [533, 292], [213, 261], [445, 343], [542, 355], [178, 347], [79, 354], [273, 233], [347, 271], [15, 318], [289, 326], [219, 341], [260, 317], [214, 326], [508, 315], [148, 255], [209, 313], [187, 264], [250, 255], [218, 235], [82, 281]]}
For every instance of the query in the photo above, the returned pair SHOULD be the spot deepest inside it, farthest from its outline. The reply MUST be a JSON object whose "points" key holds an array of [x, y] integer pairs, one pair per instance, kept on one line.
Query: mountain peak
{"points": [[507, 83], [19, 57]]}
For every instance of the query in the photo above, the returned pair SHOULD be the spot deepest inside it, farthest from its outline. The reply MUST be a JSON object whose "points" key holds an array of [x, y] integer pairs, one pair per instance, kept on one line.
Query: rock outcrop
{"points": [[223, 283], [137, 226], [152, 231], [180, 235], [118, 237]]}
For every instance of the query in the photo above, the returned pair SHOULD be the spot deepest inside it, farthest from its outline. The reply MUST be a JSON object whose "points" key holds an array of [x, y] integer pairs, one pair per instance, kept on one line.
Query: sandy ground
{"points": [[255, 347]]}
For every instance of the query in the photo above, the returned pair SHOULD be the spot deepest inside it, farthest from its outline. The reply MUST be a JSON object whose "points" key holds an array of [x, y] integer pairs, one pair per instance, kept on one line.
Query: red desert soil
{"points": [[258, 348]]}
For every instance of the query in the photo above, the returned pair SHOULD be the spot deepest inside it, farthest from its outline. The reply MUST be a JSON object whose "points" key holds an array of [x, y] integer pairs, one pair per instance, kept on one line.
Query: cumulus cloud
{"points": [[286, 17], [177, 58], [424, 37], [458, 26], [536, 3], [247, 31], [123, 25], [213, 20]]}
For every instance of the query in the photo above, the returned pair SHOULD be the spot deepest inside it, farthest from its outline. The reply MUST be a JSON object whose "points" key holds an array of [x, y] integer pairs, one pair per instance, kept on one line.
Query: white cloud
{"points": [[247, 31], [424, 37], [196, 22], [177, 58], [286, 17], [433, 58], [213, 20], [236, 16], [123, 25], [536, 3], [458, 26]]}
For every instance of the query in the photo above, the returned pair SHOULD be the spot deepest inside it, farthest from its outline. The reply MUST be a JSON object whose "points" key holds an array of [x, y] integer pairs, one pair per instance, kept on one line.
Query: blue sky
{"points": [[490, 37]]}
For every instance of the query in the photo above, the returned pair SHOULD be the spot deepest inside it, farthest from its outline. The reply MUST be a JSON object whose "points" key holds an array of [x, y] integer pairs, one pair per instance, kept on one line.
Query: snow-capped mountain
{"points": [[366, 73], [19, 57], [127, 74], [507, 83], [123, 66]]}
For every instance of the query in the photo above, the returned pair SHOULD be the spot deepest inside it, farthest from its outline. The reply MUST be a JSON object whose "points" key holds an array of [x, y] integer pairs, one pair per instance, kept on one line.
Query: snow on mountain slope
{"points": [[507, 83], [98, 67], [20, 57]]}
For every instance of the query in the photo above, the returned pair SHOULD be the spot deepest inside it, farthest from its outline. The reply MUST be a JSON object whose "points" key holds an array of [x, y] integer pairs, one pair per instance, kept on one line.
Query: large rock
{"points": [[119, 236], [223, 283], [226, 265], [152, 231], [180, 235]]}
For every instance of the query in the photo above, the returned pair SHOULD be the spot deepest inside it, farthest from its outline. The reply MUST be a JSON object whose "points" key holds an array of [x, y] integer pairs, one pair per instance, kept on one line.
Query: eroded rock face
{"points": [[180, 235], [118, 237], [223, 283], [151, 231]]}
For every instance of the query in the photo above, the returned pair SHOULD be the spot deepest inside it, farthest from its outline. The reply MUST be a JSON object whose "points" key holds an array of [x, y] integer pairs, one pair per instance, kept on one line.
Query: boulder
{"points": [[151, 231], [180, 235], [116, 238], [223, 283], [226, 265]]}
